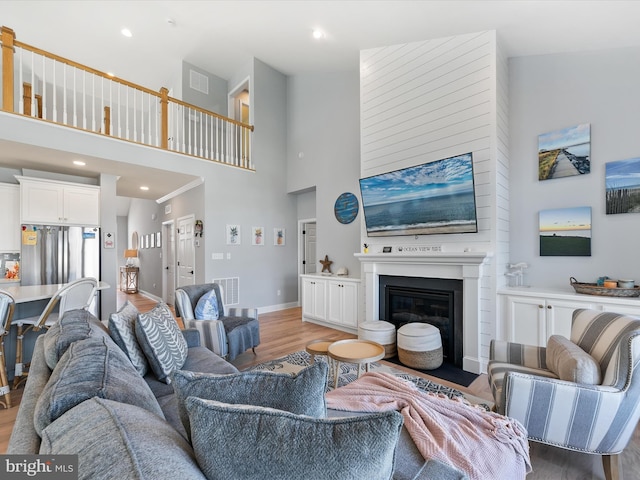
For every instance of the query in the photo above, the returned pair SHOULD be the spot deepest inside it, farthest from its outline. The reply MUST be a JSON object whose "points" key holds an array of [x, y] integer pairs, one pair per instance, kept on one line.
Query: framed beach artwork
{"points": [[279, 237], [622, 182], [565, 232], [158, 239], [564, 153], [233, 234], [257, 235]]}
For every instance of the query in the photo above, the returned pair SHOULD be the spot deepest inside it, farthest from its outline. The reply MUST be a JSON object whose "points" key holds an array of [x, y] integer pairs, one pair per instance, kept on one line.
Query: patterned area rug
{"points": [[296, 361]]}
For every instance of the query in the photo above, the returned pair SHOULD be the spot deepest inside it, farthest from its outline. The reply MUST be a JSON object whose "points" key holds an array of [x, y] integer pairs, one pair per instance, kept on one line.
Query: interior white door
{"points": [[186, 254], [168, 262], [309, 233]]}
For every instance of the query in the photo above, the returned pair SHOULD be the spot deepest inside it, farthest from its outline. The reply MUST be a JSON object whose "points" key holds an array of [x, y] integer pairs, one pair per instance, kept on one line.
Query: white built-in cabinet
{"points": [[10, 229], [531, 316], [51, 202], [331, 301]]}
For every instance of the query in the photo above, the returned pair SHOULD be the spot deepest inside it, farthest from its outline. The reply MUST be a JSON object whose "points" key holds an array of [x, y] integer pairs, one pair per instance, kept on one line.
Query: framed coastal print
{"points": [[622, 183], [564, 153], [565, 232]]}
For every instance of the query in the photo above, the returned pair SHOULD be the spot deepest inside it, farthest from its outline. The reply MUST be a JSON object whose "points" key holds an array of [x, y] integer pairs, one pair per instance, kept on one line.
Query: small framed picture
{"points": [[279, 237], [233, 234], [158, 239], [257, 235]]}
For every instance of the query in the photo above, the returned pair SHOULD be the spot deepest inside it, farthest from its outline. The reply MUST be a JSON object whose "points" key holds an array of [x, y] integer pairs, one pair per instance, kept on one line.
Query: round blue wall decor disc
{"points": [[346, 207]]}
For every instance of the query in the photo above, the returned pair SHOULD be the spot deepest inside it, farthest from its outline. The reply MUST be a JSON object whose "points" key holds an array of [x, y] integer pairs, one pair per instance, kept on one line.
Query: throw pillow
{"points": [[207, 306], [161, 341], [73, 326], [94, 367], [570, 363], [254, 443], [132, 443], [122, 330], [302, 394]]}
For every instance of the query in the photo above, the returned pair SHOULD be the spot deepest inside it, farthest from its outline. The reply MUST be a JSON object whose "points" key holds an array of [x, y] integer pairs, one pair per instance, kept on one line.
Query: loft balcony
{"points": [[50, 88]]}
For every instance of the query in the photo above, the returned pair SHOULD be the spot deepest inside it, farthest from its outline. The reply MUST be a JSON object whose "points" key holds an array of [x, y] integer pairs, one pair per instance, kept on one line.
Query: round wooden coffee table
{"points": [[354, 351], [317, 347]]}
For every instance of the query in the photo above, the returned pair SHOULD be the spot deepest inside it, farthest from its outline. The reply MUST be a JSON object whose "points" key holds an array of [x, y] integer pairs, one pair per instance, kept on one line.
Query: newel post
{"points": [[8, 37], [164, 127]]}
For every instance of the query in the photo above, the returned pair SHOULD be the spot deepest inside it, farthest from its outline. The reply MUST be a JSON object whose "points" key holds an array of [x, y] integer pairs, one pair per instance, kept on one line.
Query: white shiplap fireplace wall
{"points": [[424, 101]]}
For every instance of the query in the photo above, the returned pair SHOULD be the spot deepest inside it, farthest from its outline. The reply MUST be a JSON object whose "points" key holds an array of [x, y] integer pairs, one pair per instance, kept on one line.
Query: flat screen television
{"points": [[433, 198]]}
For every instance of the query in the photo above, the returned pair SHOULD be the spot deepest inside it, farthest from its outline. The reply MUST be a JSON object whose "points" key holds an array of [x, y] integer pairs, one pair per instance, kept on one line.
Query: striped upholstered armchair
{"points": [[544, 388]]}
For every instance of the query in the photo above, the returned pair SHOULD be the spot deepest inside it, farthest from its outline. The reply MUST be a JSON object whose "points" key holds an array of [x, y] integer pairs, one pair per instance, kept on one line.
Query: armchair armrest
{"points": [[587, 418], [518, 354], [242, 312], [192, 336], [212, 335]]}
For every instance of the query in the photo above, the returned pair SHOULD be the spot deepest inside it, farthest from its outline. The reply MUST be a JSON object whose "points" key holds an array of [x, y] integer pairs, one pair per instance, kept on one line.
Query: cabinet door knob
{"points": [[540, 306], [549, 307]]}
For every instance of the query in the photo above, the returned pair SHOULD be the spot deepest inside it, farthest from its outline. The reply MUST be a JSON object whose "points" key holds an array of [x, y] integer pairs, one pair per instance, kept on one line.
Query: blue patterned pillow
{"points": [[122, 330], [207, 307], [254, 443], [161, 341]]}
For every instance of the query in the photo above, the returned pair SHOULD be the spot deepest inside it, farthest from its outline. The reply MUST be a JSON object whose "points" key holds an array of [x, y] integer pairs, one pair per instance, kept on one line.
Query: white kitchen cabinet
{"points": [[314, 298], [343, 302], [58, 203], [531, 316], [10, 216], [331, 301]]}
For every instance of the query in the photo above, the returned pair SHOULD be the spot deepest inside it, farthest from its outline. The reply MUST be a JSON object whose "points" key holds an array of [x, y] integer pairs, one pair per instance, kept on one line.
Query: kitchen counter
{"points": [[33, 293]]}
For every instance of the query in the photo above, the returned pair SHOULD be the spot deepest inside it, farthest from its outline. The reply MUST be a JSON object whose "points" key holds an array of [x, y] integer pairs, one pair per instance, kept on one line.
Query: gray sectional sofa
{"points": [[86, 396]]}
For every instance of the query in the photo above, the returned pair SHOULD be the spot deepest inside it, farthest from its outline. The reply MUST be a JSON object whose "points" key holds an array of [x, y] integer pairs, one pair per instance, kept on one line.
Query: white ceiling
{"points": [[221, 36]]}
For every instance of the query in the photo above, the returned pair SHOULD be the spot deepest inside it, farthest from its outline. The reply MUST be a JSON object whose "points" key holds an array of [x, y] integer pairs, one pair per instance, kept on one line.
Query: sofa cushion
{"points": [[570, 363], [73, 326], [161, 341], [256, 443], [132, 443], [302, 394], [94, 367], [207, 306], [122, 330]]}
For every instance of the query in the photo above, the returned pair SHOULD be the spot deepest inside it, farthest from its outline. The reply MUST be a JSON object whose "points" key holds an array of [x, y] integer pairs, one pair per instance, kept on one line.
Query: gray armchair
{"points": [[235, 330], [597, 418]]}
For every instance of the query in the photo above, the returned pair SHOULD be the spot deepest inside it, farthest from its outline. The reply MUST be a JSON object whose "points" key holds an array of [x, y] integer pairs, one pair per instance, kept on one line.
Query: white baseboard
{"points": [[151, 296], [275, 308]]}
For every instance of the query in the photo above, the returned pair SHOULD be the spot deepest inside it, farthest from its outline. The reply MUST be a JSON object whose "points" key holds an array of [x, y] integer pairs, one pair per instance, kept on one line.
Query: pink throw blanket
{"points": [[484, 445]]}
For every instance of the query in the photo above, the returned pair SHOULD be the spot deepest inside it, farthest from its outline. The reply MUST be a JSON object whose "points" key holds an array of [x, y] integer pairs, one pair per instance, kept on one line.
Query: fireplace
{"points": [[436, 301], [467, 266]]}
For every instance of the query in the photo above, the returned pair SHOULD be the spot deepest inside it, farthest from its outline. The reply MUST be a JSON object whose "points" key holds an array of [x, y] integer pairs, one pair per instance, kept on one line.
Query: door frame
{"points": [[301, 223], [190, 218], [168, 227]]}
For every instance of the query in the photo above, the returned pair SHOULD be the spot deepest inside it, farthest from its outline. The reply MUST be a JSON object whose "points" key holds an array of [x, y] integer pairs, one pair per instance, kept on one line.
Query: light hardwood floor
{"points": [[283, 332]]}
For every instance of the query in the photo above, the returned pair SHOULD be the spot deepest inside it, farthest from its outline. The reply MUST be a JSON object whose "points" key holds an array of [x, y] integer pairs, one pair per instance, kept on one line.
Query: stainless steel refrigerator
{"points": [[57, 254]]}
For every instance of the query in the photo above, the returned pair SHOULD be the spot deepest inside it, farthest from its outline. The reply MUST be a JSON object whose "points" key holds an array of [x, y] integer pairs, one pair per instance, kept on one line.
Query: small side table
{"points": [[129, 279], [355, 351], [317, 347]]}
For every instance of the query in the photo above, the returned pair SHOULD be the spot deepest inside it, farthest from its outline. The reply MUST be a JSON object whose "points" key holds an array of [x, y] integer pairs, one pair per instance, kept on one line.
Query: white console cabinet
{"points": [[331, 301], [531, 316], [58, 203]]}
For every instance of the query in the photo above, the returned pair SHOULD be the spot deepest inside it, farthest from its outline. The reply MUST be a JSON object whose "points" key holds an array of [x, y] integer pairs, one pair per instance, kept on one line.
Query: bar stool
{"points": [[76, 295], [7, 307]]}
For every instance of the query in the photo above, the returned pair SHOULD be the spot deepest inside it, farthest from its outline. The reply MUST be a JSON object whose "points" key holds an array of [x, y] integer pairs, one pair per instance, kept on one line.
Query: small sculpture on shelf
{"points": [[326, 264]]}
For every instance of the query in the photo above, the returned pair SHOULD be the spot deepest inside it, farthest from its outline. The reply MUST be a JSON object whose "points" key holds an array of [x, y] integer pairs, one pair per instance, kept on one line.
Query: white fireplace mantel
{"points": [[465, 266]]}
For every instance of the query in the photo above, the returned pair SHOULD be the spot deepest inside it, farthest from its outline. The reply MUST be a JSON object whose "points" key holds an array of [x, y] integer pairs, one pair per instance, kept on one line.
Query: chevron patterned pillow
{"points": [[122, 330], [161, 341]]}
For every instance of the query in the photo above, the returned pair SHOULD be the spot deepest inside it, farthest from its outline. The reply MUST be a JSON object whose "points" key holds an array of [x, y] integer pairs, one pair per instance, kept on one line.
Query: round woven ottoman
{"points": [[381, 332], [420, 346]]}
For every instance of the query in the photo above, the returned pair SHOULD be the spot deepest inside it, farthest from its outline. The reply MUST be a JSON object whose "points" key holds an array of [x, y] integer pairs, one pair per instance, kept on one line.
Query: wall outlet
{"points": [[279, 292], [229, 256], [217, 256]]}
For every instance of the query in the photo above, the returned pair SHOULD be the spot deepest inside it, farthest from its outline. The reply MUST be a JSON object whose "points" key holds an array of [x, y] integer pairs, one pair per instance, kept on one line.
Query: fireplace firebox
{"points": [[435, 301]]}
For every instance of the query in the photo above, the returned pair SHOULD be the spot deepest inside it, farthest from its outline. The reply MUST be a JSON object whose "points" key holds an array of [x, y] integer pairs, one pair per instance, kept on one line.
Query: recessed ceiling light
{"points": [[80, 163], [317, 34], [126, 32], [144, 188]]}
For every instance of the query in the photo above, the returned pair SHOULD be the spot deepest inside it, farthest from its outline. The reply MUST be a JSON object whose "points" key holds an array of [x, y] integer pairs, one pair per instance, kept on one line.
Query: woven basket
{"points": [[422, 360], [595, 289], [390, 350]]}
